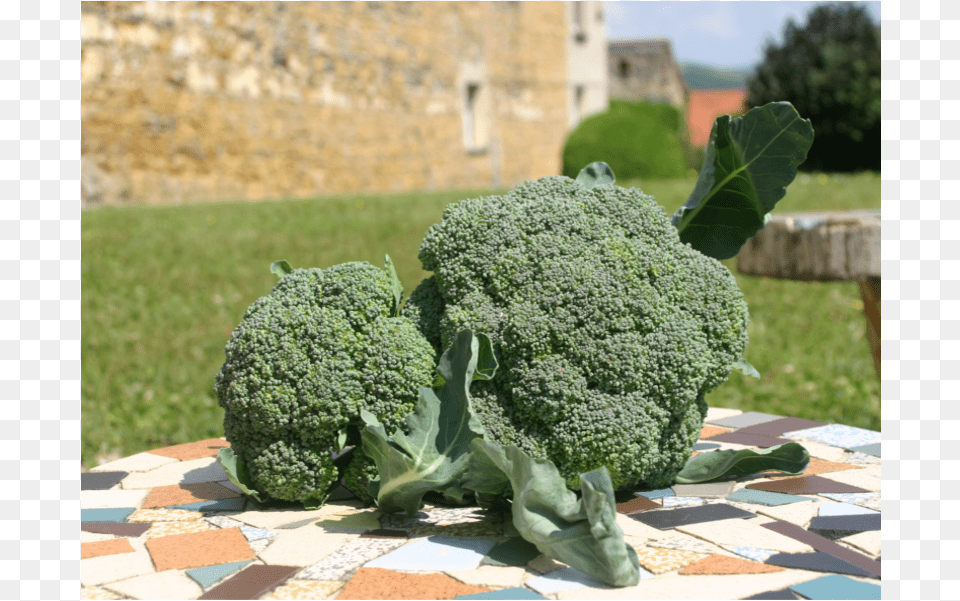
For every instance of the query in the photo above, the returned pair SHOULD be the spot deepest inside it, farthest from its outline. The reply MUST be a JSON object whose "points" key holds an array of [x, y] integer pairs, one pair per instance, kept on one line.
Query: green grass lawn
{"points": [[163, 288]]}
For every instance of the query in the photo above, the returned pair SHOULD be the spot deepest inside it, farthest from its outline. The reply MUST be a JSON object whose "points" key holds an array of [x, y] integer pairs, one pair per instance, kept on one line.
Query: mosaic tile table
{"points": [[167, 524]]}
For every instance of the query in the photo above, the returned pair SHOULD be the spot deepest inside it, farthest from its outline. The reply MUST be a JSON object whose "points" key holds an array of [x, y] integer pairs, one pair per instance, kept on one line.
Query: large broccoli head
{"points": [[609, 331], [302, 363]]}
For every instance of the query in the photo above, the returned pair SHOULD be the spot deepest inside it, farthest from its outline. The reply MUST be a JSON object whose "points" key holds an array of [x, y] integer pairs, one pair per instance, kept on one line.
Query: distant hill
{"points": [[706, 77]]}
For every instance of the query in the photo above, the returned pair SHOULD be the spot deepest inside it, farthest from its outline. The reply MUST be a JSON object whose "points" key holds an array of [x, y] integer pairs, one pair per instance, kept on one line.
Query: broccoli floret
{"points": [[302, 363], [608, 330]]}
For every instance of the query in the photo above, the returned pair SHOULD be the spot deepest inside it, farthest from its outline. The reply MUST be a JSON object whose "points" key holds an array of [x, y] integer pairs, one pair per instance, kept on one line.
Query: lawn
{"points": [[163, 287]]}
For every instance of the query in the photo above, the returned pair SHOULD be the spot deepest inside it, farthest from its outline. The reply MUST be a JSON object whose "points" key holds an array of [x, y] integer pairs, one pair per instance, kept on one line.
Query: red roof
{"points": [[706, 105]]}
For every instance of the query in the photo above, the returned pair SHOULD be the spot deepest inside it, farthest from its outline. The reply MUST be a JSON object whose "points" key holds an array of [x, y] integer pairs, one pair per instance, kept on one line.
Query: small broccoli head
{"points": [[608, 330], [302, 363]]}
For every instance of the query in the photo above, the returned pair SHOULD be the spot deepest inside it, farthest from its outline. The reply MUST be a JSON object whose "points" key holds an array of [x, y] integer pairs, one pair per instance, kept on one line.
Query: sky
{"points": [[723, 34]]}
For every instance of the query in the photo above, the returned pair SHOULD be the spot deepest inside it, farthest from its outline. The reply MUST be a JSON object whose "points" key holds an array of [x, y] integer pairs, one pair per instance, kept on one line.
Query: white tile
{"points": [[868, 542], [110, 568], [435, 553], [104, 499], [837, 508], [561, 580], [303, 546], [715, 413], [205, 469], [744, 533], [796, 513], [141, 462], [169, 584], [278, 517], [868, 477]]}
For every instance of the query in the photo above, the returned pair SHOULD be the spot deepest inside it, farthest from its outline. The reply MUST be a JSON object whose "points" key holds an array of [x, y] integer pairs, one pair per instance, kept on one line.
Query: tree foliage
{"points": [[829, 69]]}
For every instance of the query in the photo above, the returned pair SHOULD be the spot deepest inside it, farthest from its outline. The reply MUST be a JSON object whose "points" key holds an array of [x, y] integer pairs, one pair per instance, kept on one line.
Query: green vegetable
{"points": [[302, 364], [445, 452], [790, 458], [749, 163], [608, 330], [434, 456]]}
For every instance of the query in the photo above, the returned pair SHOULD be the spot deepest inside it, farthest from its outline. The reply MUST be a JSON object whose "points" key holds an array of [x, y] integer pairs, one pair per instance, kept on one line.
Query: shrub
{"points": [[637, 140]]}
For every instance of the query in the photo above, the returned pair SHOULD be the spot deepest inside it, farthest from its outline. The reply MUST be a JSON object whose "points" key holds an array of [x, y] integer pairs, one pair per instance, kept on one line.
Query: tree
{"points": [[829, 69]]}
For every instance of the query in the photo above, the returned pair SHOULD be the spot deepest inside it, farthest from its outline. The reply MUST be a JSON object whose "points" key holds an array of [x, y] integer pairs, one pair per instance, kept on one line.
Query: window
{"points": [[624, 68], [474, 118], [578, 92], [579, 34]]}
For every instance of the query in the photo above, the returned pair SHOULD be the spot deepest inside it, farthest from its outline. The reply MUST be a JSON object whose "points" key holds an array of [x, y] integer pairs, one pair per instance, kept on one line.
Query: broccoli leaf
{"points": [[790, 458], [746, 368], [596, 174], [435, 454], [237, 473], [748, 165], [395, 285], [280, 268], [583, 533]]}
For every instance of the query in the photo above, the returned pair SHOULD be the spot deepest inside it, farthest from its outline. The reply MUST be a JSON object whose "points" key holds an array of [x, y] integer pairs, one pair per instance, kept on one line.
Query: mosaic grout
{"points": [[169, 518]]}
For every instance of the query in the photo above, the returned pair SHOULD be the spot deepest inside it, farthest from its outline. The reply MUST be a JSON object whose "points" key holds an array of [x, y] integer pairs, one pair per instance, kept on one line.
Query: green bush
{"points": [[637, 140]]}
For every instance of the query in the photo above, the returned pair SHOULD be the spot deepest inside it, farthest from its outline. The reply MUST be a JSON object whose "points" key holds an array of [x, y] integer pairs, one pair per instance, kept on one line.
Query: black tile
{"points": [[100, 480], [823, 544], [856, 523], [684, 516], [133, 530], [817, 562]]}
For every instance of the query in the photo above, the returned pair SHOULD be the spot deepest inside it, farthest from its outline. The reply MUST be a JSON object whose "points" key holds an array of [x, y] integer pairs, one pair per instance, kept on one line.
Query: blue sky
{"points": [[723, 34]]}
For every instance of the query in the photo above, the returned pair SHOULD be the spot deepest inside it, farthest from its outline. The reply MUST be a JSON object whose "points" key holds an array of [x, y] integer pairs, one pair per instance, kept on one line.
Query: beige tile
{"points": [[675, 586], [796, 513], [744, 533], [170, 584], [868, 542], [491, 576], [95, 592], [303, 546], [103, 499], [685, 542], [868, 477], [141, 462], [110, 568], [714, 413], [178, 527], [179, 472], [275, 518], [823, 451]]}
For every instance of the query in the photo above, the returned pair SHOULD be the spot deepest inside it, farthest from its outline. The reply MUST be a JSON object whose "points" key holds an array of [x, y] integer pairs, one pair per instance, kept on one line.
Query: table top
{"points": [[168, 524]]}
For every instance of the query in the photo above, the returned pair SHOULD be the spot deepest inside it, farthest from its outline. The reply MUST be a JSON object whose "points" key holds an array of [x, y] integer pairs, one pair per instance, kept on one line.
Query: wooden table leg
{"points": [[870, 292]]}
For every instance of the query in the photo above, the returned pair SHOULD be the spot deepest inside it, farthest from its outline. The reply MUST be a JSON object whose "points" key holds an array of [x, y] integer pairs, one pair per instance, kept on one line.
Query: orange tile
{"points": [[198, 549], [193, 450], [721, 564], [184, 494], [709, 431], [378, 583], [105, 547]]}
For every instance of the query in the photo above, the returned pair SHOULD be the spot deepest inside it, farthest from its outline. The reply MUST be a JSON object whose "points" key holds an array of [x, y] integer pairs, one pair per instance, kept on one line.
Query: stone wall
{"points": [[197, 101], [646, 70]]}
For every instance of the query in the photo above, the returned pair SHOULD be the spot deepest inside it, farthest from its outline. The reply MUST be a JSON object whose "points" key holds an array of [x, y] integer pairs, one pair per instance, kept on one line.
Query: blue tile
{"points": [[252, 534], [837, 435], [656, 494], [113, 514], [436, 554], [837, 587], [231, 504], [754, 553], [765, 497], [869, 449], [507, 593], [210, 574]]}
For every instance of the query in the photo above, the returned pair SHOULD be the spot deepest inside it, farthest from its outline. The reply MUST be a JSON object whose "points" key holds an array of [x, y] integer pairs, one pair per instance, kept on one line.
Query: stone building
{"points": [[645, 70], [197, 101]]}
